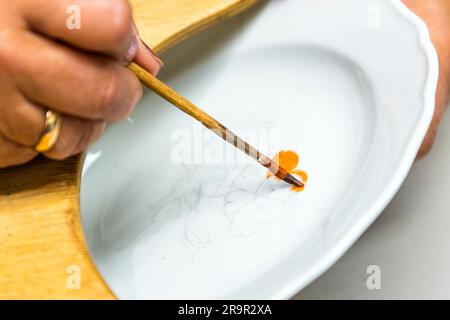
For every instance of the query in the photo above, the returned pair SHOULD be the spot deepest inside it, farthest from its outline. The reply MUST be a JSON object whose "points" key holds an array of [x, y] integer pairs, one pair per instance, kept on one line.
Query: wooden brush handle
{"points": [[173, 97], [192, 110]]}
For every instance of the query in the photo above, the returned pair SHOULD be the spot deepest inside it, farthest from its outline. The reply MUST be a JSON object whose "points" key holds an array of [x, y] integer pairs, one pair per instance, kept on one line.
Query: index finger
{"points": [[103, 26]]}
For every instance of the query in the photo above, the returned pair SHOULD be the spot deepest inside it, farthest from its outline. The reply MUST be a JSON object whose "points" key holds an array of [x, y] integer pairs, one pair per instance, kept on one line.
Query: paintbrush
{"points": [[209, 122]]}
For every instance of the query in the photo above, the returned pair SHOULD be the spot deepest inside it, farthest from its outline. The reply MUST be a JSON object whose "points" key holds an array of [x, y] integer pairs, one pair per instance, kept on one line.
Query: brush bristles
{"points": [[292, 180]]}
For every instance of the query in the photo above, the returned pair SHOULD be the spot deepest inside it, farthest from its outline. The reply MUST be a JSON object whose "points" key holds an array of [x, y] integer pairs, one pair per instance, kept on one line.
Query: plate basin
{"points": [[171, 211]]}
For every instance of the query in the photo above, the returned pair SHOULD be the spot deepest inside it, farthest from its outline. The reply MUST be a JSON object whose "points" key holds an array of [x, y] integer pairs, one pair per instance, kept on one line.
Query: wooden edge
{"points": [[42, 244], [200, 25]]}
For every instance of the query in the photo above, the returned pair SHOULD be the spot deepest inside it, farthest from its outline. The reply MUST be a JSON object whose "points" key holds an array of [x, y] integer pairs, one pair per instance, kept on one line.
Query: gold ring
{"points": [[50, 133]]}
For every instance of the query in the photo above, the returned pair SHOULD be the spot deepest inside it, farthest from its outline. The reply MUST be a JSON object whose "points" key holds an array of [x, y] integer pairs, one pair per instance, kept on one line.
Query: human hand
{"points": [[436, 14], [79, 73]]}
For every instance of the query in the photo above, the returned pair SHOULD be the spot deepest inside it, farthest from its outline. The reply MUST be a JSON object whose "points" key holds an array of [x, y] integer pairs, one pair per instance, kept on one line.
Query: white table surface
{"points": [[410, 241]]}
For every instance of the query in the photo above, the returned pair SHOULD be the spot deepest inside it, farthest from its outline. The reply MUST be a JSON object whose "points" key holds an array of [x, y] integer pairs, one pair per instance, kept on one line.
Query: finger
{"points": [[21, 122], [147, 59], [427, 143], [103, 26], [76, 135], [71, 81], [441, 103], [13, 154]]}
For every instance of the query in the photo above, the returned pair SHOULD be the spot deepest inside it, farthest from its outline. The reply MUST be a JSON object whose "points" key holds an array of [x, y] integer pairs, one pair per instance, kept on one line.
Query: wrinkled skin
{"points": [[80, 73]]}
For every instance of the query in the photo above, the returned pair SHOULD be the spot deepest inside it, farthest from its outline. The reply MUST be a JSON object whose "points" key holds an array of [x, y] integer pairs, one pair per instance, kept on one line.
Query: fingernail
{"points": [[132, 51], [161, 63]]}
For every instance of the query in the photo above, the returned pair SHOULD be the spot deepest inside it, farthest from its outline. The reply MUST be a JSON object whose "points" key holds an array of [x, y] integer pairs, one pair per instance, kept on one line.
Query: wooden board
{"points": [[43, 254]]}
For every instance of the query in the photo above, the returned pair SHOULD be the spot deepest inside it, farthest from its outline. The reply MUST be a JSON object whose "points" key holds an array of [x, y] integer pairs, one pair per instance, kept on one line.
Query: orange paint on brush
{"points": [[289, 161]]}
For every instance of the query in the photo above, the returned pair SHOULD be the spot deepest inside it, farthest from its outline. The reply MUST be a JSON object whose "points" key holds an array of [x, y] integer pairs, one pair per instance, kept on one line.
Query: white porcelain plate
{"points": [[349, 85]]}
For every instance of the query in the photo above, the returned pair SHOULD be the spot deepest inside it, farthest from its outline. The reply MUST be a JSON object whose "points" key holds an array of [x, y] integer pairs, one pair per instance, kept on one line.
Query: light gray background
{"points": [[410, 241]]}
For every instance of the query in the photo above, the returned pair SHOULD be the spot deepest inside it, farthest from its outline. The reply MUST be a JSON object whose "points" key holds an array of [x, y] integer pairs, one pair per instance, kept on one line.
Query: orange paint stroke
{"points": [[289, 161]]}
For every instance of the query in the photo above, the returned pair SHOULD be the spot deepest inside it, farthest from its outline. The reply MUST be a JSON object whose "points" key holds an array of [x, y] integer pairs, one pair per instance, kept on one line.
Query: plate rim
{"points": [[301, 280], [429, 98]]}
